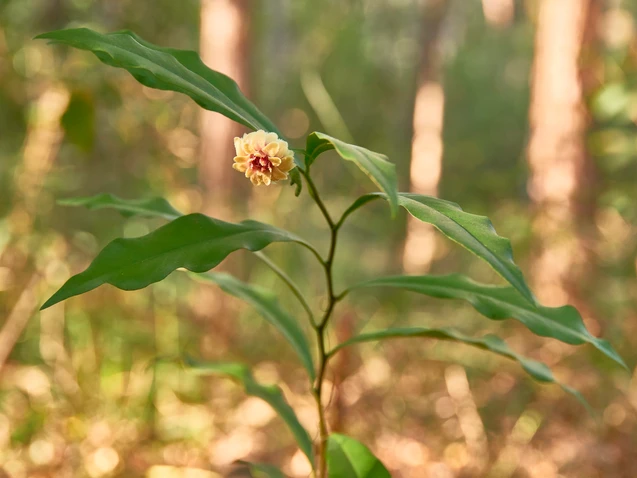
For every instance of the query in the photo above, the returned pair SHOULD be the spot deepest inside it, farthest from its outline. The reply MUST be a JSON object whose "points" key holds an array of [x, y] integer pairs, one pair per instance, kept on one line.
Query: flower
{"points": [[263, 157]]}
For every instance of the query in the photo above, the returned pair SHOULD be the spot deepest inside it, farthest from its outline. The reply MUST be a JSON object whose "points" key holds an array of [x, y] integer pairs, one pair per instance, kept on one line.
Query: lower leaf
{"points": [[500, 303], [268, 306], [262, 470], [348, 458], [492, 343], [268, 393], [195, 242]]}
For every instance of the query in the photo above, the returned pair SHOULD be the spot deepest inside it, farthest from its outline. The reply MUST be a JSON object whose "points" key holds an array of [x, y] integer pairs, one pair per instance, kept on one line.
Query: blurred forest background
{"points": [[522, 110]]}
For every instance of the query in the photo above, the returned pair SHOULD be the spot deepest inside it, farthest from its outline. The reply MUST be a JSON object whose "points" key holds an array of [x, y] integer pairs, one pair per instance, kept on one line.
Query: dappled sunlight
{"points": [[475, 453], [425, 173], [522, 111]]}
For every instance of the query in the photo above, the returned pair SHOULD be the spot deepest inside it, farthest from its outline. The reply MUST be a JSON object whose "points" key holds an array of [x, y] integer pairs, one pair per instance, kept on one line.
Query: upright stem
{"points": [[319, 328]]}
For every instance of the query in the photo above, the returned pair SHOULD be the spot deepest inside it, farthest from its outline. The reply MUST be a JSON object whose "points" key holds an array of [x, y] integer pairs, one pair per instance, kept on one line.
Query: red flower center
{"points": [[261, 162]]}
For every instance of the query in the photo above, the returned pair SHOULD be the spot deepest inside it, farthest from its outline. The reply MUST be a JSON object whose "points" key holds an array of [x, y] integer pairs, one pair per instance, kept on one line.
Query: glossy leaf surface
{"points": [[475, 233], [375, 165], [167, 69], [195, 242], [499, 303], [537, 370], [171, 69], [349, 458]]}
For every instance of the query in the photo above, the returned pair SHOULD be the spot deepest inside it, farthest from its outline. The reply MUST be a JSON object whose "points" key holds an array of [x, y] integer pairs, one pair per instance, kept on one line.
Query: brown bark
{"points": [[427, 145], [224, 48], [223, 45], [561, 185]]}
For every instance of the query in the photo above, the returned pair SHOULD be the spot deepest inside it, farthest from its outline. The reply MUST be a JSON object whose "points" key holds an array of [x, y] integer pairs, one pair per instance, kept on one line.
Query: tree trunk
{"points": [[43, 140], [427, 145], [223, 45], [498, 13], [561, 185]]}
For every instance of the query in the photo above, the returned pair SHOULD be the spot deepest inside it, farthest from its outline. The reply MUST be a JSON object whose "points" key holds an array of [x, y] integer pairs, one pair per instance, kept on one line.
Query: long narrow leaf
{"points": [[266, 303], [500, 303], [475, 233], [167, 69], [269, 393], [195, 242], [492, 343], [151, 207], [171, 69]]}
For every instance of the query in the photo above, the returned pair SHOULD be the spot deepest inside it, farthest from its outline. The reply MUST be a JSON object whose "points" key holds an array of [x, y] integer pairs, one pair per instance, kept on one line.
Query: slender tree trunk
{"points": [[224, 47], [41, 147], [561, 185], [498, 13], [427, 144]]}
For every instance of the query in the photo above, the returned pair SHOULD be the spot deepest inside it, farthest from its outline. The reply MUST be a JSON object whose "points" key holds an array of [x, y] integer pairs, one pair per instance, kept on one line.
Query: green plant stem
{"points": [[320, 327], [288, 281], [317, 199]]}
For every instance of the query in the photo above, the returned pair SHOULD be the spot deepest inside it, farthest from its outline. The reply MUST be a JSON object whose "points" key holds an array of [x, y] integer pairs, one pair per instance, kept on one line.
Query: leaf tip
{"points": [[607, 349], [52, 35], [51, 301]]}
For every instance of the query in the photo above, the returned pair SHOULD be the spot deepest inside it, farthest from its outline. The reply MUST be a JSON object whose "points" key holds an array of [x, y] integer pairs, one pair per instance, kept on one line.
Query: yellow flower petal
{"points": [[247, 149], [287, 163], [257, 139], [278, 175], [271, 149], [270, 138], [283, 149], [238, 145], [263, 157]]}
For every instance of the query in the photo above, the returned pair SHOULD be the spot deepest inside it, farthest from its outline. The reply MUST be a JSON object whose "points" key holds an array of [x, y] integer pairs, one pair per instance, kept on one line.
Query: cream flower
{"points": [[263, 157]]}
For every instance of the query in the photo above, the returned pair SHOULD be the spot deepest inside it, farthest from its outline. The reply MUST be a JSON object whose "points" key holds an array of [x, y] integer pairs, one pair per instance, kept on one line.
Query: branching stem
{"points": [[320, 327]]}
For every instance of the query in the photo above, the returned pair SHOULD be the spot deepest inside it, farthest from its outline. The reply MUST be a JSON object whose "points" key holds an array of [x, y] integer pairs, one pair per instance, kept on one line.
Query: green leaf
{"points": [[269, 393], [537, 370], [475, 233], [499, 303], [295, 180], [348, 458], [152, 207], [262, 470], [167, 69], [375, 165], [171, 69], [266, 303], [78, 121], [195, 242]]}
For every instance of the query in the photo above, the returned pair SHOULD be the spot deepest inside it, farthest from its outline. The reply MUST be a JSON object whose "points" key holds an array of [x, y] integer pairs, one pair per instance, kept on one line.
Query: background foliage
{"points": [[79, 395]]}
